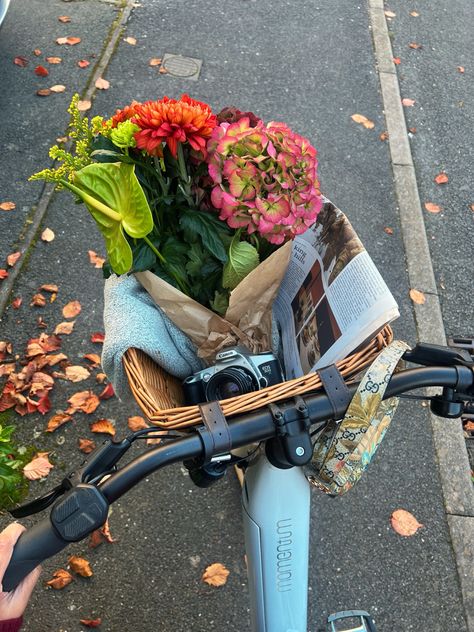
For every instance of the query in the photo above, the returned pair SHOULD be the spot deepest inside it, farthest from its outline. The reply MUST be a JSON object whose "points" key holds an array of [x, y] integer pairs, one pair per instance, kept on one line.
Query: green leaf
{"points": [[209, 228], [143, 257], [220, 303], [117, 202], [175, 252], [243, 258], [197, 259]]}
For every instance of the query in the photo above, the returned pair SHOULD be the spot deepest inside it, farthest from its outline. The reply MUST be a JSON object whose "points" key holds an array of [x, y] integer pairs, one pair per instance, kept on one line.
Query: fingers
{"points": [[8, 539]]}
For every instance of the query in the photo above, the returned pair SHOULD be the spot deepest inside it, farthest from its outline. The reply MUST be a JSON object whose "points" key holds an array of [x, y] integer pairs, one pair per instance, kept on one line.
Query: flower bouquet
{"points": [[200, 206]]}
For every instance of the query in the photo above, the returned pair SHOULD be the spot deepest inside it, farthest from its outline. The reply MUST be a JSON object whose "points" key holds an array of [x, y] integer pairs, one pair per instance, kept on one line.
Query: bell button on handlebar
{"points": [[79, 512]]}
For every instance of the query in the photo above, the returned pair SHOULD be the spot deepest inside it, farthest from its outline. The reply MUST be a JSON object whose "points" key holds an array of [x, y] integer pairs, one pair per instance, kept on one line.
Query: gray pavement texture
{"points": [[313, 67]]}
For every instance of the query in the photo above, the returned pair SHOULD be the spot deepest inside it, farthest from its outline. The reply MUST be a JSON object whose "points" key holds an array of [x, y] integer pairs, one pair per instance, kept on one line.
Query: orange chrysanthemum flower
{"points": [[123, 115], [173, 122]]}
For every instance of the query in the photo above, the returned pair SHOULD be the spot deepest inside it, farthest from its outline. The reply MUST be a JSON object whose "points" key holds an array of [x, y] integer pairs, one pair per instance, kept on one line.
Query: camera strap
{"points": [[215, 432]]}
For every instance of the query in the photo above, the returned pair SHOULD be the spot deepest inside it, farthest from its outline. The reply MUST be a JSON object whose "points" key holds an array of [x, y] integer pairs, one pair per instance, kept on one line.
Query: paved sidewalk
{"points": [[312, 68]]}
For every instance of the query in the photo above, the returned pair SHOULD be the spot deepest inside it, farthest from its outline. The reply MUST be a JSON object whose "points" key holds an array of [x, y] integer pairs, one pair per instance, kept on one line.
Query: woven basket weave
{"points": [[159, 395]]}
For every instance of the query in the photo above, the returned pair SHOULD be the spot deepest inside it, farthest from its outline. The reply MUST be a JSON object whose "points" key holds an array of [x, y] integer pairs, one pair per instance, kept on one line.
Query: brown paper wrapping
{"points": [[248, 319]]}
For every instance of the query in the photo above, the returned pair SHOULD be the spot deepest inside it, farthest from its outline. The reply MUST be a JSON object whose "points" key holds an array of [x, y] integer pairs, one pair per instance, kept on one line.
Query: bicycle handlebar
{"points": [[43, 540]]}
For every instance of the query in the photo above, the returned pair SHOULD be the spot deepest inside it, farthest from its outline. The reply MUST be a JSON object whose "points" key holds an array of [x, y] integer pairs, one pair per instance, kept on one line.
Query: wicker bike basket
{"points": [[159, 394]]}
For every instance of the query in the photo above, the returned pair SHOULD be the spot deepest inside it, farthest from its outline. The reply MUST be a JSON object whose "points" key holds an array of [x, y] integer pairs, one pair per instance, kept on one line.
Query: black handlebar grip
{"points": [[33, 546]]}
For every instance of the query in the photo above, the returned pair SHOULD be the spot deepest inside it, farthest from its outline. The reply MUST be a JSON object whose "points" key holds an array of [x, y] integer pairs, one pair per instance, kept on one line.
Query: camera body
{"points": [[236, 371]]}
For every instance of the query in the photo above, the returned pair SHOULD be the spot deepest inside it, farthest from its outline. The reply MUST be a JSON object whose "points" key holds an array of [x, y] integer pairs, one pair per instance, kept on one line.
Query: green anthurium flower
{"points": [[116, 201]]}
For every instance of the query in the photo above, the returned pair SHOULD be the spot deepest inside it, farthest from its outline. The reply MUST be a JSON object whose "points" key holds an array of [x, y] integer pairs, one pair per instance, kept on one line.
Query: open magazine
{"points": [[332, 298]]}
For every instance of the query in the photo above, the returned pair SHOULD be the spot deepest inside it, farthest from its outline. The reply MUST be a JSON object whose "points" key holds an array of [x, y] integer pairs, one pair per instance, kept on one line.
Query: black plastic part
{"points": [[82, 510], [38, 504], [430, 355], [461, 342], [292, 446], [364, 619], [446, 406], [206, 475]]}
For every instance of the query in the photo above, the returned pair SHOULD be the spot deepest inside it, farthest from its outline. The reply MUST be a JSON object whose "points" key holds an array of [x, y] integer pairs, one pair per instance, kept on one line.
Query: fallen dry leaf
{"points": [[103, 426], [154, 61], [65, 328], [363, 120], [408, 102], [101, 377], [17, 301], [472, 207], [388, 230], [50, 287], [58, 88], [37, 52], [20, 61], [412, 130], [62, 139], [38, 300], [162, 70], [72, 309], [13, 258], [415, 46], [7, 206], [7, 369], [96, 261], [93, 358], [102, 84], [80, 566], [404, 523], [390, 14], [108, 392], [397, 61], [44, 92], [97, 337], [460, 69], [86, 445], [83, 106], [47, 234], [91, 623], [83, 63], [76, 373], [130, 40], [417, 297], [215, 575], [41, 71], [86, 401], [57, 420], [71, 41], [61, 578], [37, 468], [441, 178], [432, 208], [101, 535], [4, 274], [414, 14], [137, 423], [64, 18], [53, 60]]}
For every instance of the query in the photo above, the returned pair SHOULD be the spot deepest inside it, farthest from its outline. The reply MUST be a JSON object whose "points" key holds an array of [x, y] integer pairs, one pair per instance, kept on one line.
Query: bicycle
{"points": [[276, 533]]}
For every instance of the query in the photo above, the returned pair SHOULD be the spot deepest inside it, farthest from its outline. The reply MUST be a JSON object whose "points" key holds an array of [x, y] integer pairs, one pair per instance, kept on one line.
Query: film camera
{"points": [[236, 371]]}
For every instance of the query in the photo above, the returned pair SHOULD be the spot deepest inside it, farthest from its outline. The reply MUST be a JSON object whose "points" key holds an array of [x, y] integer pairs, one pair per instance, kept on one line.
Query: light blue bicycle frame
{"points": [[276, 509]]}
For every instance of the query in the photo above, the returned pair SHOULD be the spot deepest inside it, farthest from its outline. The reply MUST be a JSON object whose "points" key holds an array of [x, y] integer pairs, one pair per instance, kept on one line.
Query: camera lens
{"points": [[229, 383]]}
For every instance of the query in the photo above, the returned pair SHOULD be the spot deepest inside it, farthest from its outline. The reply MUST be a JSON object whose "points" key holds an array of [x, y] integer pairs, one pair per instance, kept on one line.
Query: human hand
{"points": [[13, 604]]}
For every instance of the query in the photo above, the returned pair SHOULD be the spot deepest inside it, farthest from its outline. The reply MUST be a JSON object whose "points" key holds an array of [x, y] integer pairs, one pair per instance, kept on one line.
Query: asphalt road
{"points": [[313, 67]]}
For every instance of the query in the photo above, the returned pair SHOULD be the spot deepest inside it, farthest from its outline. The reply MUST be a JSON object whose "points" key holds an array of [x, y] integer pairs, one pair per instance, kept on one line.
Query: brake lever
{"points": [[428, 355], [102, 460]]}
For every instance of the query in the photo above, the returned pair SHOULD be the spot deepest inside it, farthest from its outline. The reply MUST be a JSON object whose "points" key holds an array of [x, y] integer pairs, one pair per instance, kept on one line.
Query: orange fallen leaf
{"points": [[13, 258], [37, 468], [47, 234], [108, 392], [83, 106], [417, 297], [137, 423], [397, 61], [64, 18], [91, 623], [93, 358], [61, 578], [37, 52], [38, 300], [100, 377], [103, 426], [4, 274], [102, 84], [83, 63], [72, 309], [472, 207], [100, 535], [80, 566], [388, 230], [55, 358], [7, 369], [44, 92], [441, 178], [404, 523], [96, 261], [53, 60], [62, 139], [50, 287], [408, 102], [20, 61], [215, 575], [65, 328], [77, 373], [384, 136], [162, 70], [154, 61], [41, 71], [7, 206], [414, 14], [58, 88], [363, 120], [130, 40], [390, 14], [412, 130], [432, 208], [86, 445], [460, 69], [57, 420], [70, 41], [97, 337], [86, 401], [17, 301], [415, 46]]}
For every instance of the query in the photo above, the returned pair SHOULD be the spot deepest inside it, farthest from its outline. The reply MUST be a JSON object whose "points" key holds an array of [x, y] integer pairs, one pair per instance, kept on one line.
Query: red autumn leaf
{"points": [[108, 392], [72, 309], [397, 60], [13, 258], [61, 578], [40, 382], [3, 273], [86, 401], [86, 445], [83, 63], [388, 230], [432, 208], [97, 337], [412, 130], [80, 566], [57, 420], [37, 468], [91, 623], [404, 523], [17, 302], [41, 71], [96, 261], [44, 405], [20, 61], [103, 426], [441, 178]]}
